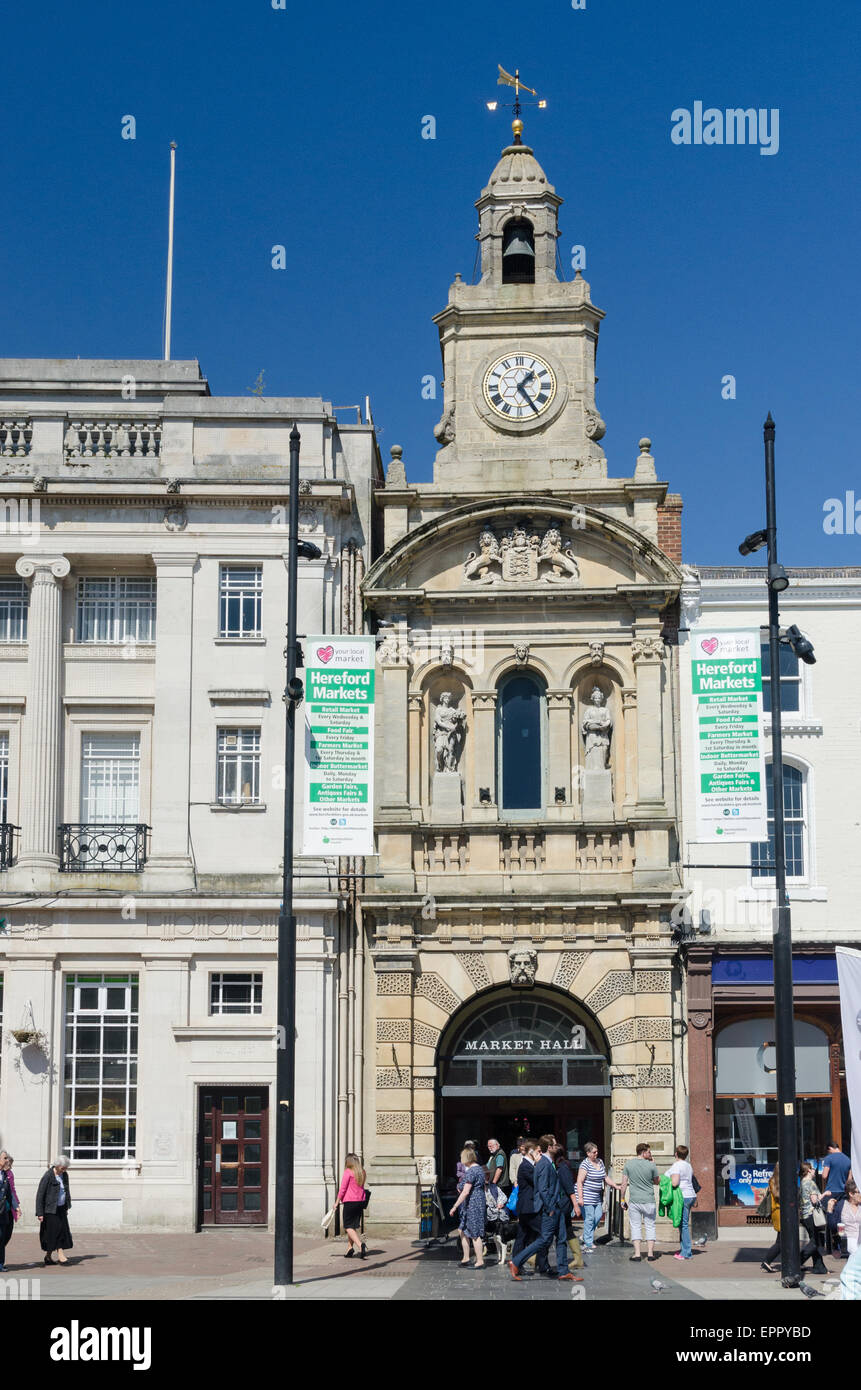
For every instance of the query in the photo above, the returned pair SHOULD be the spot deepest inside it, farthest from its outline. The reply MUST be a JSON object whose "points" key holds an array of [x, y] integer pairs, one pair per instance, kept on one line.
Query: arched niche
{"points": [[456, 683], [584, 683]]}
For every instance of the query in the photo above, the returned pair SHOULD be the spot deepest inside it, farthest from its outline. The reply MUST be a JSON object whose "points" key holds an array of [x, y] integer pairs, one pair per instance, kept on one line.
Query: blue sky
{"points": [[303, 127]]}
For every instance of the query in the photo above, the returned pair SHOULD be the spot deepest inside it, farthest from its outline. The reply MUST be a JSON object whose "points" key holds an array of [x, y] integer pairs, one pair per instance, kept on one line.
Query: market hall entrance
{"points": [[517, 1062]]}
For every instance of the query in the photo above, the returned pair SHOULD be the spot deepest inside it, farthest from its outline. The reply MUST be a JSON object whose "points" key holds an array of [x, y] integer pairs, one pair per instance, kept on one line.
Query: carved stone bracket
{"points": [[647, 649]]}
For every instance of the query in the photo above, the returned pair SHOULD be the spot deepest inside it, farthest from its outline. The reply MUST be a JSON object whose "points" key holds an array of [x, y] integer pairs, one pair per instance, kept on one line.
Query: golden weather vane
{"points": [[506, 79]]}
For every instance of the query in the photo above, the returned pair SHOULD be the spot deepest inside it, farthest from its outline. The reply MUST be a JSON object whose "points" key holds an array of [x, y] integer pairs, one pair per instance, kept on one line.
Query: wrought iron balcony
{"points": [[99, 849], [8, 844]]}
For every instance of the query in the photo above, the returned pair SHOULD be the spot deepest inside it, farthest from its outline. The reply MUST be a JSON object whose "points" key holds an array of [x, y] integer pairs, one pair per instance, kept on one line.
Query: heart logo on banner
{"points": [[708, 644], [325, 654]]}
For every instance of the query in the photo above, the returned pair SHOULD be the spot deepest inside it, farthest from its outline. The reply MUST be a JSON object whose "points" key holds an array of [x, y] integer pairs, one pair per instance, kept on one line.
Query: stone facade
{"points": [[523, 558], [131, 470]]}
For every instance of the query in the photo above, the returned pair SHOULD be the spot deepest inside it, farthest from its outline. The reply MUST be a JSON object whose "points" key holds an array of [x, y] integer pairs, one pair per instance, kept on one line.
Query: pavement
{"points": [[236, 1265]]}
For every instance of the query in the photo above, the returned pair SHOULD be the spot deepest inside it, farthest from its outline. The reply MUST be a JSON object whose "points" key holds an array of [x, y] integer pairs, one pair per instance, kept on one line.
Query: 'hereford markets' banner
{"points": [[849, 977], [339, 745], [726, 686]]}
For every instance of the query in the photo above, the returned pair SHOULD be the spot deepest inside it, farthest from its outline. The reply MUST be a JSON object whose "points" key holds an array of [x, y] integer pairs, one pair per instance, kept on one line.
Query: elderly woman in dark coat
{"points": [[53, 1201]]}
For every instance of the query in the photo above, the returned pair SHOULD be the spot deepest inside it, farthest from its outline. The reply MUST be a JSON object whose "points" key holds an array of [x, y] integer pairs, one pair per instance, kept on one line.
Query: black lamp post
{"points": [[285, 1083], [787, 1119]]}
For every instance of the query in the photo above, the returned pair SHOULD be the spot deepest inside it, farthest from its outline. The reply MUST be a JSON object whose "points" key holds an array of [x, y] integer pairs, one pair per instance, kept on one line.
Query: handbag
{"points": [[367, 1197], [819, 1217], [695, 1185], [511, 1204], [329, 1218]]}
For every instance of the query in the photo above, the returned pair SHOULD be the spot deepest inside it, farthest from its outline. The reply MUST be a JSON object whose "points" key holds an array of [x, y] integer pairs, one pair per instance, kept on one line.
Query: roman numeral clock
{"points": [[518, 392], [520, 386]]}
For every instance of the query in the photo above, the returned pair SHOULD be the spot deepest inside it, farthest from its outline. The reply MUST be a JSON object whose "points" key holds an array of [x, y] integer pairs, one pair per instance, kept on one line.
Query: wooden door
{"points": [[233, 1154]]}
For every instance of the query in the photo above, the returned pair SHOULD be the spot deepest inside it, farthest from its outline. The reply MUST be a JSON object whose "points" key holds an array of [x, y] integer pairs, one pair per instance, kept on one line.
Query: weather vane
{"points": [[505, 79]]}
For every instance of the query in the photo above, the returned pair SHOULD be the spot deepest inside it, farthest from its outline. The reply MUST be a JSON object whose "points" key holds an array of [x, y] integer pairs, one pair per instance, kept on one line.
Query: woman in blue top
{"points": [[473, 1208]]}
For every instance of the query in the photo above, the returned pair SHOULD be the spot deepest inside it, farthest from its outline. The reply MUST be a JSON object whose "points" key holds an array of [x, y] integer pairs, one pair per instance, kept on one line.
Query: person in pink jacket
{"points": [[351, 1196]]}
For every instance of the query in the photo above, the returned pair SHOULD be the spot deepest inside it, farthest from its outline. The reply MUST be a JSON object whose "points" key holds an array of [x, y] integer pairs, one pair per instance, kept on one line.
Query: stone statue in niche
{"points": [[522, 965], [449, 731], [596, 727]]}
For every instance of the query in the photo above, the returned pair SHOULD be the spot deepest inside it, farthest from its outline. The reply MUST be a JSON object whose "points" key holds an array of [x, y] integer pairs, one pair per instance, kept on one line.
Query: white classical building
{"points": [[143, 591], [729, 975]]}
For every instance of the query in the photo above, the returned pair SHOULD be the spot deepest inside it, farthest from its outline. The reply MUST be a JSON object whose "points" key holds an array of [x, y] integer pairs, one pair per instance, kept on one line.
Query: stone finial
{"points": [[645, 469], [397, 473]]}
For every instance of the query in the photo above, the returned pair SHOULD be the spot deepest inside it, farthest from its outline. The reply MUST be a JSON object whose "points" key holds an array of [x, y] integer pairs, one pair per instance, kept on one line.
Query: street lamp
{"points": [[787, 1120], [285, 1082]]}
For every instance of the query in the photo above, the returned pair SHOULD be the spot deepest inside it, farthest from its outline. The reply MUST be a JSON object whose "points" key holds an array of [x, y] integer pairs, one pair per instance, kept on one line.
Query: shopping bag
{"points": [[329, 1217]]}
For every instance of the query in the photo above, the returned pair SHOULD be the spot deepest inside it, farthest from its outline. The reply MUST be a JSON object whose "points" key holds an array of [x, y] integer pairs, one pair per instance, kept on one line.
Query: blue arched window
{"points": [[520, 743]]}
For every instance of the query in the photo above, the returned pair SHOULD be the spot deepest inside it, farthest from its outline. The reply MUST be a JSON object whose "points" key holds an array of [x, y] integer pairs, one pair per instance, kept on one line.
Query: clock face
{"points": [[519, 386]]}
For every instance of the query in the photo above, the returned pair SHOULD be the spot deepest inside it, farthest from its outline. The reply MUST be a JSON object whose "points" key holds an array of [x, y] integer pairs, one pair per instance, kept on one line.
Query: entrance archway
{"points": [[517, 1062]]}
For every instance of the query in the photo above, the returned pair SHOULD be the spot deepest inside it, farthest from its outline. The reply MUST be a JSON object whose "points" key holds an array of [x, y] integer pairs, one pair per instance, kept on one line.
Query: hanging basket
{"points": [[29, 1037]]}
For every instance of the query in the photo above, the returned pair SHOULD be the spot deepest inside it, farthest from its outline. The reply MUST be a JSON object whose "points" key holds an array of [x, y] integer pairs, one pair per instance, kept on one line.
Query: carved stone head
{"points": [[522, 965], [597, 697]]}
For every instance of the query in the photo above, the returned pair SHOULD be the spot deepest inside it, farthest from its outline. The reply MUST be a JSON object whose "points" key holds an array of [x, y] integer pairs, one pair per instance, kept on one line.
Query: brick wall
{"points": [[670, 527]]}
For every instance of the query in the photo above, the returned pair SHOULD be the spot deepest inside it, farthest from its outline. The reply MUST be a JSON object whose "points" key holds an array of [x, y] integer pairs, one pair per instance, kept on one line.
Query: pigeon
{"points": [[809, 1291], [658, 1286], [703, 1240]]}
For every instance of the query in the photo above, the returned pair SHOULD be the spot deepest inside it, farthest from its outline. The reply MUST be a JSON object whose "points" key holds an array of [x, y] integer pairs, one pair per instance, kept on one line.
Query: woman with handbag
{"points": [[353, 1197], [812, 1216], [53, 1203]]}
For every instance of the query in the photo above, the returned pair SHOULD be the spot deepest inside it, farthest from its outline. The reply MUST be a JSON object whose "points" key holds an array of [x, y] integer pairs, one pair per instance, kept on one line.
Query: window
{"points": [[238, 771], [762, 854], [241, 591], [790, 680], [14, 603], [100, 1068], [110, 779], [236, 994], [4, 778], [520, 739], [116, 610]]}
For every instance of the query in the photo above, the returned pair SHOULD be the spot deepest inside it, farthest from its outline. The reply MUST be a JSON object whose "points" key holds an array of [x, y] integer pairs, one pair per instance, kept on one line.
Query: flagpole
{"points": [[168, 303]]}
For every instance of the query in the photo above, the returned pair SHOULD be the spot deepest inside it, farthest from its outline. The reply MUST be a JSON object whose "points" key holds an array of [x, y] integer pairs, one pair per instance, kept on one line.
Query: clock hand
{"points": [[520, 386]]}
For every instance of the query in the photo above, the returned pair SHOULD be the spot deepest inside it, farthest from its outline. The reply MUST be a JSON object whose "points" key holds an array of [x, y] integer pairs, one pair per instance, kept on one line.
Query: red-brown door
{"points": [[233, 1155]]}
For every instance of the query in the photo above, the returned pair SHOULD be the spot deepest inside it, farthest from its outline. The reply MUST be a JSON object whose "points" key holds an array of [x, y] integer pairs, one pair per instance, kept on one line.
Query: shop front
{"points": [[732, 1059]]}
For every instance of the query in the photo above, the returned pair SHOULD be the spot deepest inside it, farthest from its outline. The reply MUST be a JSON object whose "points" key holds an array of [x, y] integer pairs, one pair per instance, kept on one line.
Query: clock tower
{"points": [[519, 348]]}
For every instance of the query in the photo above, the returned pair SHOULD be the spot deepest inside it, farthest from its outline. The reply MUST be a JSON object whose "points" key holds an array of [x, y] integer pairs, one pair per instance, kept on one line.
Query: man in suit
{"points": [[550, 1203], [528, 1218]]}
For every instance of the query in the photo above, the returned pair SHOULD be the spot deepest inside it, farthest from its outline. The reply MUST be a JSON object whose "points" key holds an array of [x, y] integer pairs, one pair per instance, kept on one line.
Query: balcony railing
{"points": [[104, 439], [16, 437], [8, 844], [99, 849]]}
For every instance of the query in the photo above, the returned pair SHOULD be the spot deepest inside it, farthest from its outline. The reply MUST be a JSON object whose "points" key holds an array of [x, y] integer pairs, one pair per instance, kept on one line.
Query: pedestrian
{"points": [[469, 1145], [642, 1176], [551, 1201], [810, 1207], [496, 1164], [53, 1204], [847, 1214], [568, 1183], [850, 1279], [682, 1176], [352, 1197], [773, 1250], [8, 1205], [836, 1170], [528, 1214], [514, 1159], [473, 1208], [591, 1180]]}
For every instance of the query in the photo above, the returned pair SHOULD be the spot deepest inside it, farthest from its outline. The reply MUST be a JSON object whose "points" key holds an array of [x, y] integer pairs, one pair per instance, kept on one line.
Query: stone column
{"points": [[418, 755], [392, 658], [42, 724], [484, 752], [648, 651], [169, 864], [700, 1036], [559, 750]]}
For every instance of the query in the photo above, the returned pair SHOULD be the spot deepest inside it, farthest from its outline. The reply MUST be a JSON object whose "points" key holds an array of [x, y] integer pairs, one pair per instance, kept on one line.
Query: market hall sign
{"points": [[576, 1043]]}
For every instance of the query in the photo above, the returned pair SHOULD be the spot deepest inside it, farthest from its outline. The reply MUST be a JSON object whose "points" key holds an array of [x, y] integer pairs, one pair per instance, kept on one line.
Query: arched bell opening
{"points": [[518, 252]]}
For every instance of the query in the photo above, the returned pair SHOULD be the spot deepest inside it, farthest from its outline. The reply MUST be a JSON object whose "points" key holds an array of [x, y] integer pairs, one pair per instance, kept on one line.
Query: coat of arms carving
{"points": [[522, 556]]}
